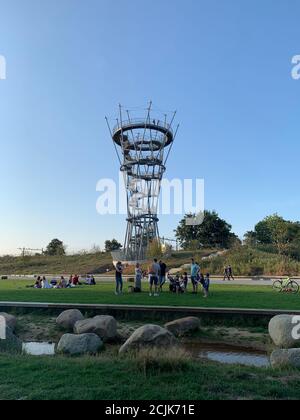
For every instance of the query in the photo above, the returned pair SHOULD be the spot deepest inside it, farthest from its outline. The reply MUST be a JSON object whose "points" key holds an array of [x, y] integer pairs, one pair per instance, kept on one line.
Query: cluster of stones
{"points": [[284, 330], [89, 335], [85, 336]]}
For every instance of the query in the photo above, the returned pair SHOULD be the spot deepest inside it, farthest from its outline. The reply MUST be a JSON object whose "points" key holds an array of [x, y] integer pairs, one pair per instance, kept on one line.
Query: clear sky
{"points": [[224, 64]]}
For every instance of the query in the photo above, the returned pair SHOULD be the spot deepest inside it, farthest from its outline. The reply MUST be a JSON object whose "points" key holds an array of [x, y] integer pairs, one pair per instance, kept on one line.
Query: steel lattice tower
{"points": [[143, 145]]}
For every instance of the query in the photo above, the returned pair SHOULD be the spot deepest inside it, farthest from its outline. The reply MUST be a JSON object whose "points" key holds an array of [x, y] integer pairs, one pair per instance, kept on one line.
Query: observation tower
{"points": [[143, 144]]}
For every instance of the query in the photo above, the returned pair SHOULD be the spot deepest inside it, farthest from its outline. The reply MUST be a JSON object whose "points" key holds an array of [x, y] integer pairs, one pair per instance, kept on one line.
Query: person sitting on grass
{"points": [[176, 285], [88, 280], [53, 282], [181, 285], [46, 284], [76, 281], [62, 283], [38, 283]]}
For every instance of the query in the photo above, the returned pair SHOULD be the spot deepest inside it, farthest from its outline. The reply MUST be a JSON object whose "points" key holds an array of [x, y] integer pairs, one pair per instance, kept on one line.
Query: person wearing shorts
{"points": [[154, 273], [195, 270]]}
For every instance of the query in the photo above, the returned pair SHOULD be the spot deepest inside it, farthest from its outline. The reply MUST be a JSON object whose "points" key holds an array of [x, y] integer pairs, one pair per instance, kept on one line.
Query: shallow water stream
{"points": [[39, 349], [229, 354]]}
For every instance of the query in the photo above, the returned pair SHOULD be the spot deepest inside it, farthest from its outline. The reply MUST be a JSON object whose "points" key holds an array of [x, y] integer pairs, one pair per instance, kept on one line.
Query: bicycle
{"points": [[286, 286]]}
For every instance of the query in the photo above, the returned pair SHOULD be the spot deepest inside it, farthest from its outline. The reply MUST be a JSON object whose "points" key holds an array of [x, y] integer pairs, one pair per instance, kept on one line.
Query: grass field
{"points": [[222, 296], [116, 378]]}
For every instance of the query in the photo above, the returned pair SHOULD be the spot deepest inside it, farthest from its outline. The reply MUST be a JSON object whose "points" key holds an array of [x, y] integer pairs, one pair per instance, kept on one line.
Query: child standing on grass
{"points": [[206, 285]]}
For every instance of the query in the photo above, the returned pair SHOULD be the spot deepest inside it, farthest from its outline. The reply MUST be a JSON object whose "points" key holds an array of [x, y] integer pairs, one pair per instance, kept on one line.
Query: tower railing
{"points": [[127, 124]]}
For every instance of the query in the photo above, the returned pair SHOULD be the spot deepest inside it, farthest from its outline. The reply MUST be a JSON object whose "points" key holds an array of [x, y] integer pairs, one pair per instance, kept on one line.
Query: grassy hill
{"points": [[97, 263], [245, 261]]}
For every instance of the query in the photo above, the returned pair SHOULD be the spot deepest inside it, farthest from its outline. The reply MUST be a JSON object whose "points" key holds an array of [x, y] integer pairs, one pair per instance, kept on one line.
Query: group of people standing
{"points": [[157, 276], [63, 283], [157, 273]]}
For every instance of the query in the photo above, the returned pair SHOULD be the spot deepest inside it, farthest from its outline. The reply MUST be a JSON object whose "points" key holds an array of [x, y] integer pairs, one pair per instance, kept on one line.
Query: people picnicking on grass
{"points": [[62, 282]]}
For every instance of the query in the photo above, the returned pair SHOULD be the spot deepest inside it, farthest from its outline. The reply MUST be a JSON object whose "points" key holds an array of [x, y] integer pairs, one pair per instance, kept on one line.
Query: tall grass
{"points": [[248, 261], [151, 360]]}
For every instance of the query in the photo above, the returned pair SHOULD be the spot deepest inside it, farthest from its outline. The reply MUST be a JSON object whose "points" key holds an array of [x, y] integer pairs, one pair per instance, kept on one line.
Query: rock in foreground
{"points": [[149, 336], [68, 319], [76, 345], [286, 359], [103, 326], [282, 331], [183, 326]]}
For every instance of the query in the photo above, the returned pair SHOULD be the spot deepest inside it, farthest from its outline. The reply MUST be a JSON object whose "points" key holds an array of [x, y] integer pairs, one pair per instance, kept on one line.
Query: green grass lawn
{"points": [[116, 378], [222, 296]]}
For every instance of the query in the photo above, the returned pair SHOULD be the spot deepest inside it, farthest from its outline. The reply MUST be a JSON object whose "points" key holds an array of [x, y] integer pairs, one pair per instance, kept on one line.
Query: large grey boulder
{"points": [[68, 319], [149, 336], [11, 321], [183, 326], [286, 358], [104, 326], [11, 343], [76, 345], [282, 331]]}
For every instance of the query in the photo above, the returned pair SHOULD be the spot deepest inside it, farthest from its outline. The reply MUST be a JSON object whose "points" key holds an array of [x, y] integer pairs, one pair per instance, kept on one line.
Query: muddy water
{"points": [[229, 354], [39, 349]]}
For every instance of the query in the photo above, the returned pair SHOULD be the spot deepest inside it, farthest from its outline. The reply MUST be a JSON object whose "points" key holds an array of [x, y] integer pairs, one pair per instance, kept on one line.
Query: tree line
{"points": [[273, 234]]}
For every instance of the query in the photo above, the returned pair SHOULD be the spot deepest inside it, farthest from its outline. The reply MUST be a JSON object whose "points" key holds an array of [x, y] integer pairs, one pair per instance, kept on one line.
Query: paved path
{"points": [[245, 282]]}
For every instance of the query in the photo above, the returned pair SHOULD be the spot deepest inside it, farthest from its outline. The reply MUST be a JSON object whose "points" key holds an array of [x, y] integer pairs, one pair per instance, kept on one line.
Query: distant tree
{"points": [[55, 247], [214, 232], [283, 234], [113, 245]]}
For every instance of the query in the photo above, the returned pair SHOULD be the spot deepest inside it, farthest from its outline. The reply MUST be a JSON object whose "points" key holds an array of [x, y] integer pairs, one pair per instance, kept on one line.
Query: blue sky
{"points": [[226, 67]]}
